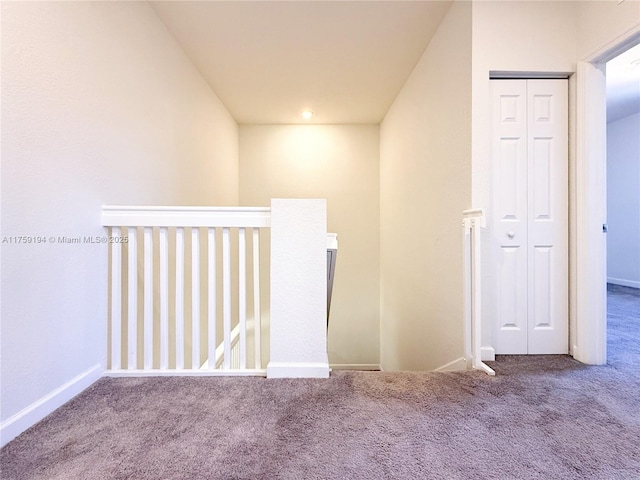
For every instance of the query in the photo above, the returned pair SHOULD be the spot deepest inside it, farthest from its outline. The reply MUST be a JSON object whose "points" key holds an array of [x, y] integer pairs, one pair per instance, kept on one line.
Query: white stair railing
{"points": [[161, 350], [472, 222]]}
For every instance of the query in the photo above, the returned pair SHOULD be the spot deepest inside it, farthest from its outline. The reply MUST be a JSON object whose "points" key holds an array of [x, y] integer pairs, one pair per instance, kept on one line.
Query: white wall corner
{"points": [[29, 416], [298, 332], [487, 354]]}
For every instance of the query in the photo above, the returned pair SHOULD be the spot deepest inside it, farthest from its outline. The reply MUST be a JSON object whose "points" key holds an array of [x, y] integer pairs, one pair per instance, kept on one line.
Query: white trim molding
{"points": [[368, 367], [519, 75], [143, 216], [591, 318], [488, 354], [297, 370], [456, 365], [188, 372], [623, 282], [29, 416], [615, 45]]}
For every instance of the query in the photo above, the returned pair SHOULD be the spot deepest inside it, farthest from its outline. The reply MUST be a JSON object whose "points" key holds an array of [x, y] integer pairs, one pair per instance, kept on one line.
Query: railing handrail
{"points": [[473, 220], [174, 216], [475, 213]]}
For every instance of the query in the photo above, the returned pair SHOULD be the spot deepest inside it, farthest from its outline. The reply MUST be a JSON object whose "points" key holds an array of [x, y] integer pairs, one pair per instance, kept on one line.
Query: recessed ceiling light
{"points": [[307, 114]]}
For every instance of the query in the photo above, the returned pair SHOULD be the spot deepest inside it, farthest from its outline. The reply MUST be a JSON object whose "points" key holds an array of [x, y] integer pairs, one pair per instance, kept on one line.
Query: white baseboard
{"points": [[297, 370], [187, 372], [355, 366], [453, 366], [29, 416], [487, 354], [623, 282]]}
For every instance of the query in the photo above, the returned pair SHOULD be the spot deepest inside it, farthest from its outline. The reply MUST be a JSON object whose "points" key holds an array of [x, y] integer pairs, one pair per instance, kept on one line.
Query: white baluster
{"points": [[466, 275], [195, 298], [475, 297], [148, 298], [235, 357], [226, 297], [211, 301], [256, 298], [116, 300], [132, 288], [242, 296], [179, 298], [164, 298]]}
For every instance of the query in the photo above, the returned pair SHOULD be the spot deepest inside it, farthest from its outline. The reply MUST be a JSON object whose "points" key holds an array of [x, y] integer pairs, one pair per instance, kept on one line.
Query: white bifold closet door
{"points": [[530, 215]]}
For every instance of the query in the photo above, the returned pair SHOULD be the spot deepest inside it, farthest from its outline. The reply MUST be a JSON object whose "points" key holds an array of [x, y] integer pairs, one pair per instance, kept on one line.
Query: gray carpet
{"points": [[540, 417]]}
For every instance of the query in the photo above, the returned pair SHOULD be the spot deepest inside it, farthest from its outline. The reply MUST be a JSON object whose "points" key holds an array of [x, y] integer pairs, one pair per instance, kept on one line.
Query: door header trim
{"points": [[509, 75]]}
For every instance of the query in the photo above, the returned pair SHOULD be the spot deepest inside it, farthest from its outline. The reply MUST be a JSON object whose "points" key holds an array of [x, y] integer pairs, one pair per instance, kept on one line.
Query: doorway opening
{"points": [[623, 204], [589, 288]]}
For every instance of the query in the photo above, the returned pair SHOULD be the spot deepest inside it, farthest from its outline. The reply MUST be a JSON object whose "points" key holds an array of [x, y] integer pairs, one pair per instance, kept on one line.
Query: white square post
{"points": [[298, 289]]}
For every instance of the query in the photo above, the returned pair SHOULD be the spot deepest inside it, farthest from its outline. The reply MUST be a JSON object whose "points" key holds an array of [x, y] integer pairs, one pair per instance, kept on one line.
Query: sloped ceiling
{"points": [[270, 60]]}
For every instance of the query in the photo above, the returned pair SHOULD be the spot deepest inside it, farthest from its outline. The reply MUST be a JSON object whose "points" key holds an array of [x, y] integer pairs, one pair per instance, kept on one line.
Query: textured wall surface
{"points": [[298, 341], [425, 184], [99, 106]]}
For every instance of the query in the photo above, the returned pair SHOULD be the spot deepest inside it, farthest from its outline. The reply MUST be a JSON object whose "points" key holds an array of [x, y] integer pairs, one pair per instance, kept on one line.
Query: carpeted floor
{"points": [[540, 417]]}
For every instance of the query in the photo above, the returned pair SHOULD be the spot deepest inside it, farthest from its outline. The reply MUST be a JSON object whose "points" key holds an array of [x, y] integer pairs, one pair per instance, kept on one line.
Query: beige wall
{"points": [[425, 159], [339, 163], [99, 106]]}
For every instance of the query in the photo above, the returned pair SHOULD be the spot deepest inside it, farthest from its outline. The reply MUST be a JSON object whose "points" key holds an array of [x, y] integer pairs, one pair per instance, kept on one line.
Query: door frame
{"points": [[589, 313]]}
